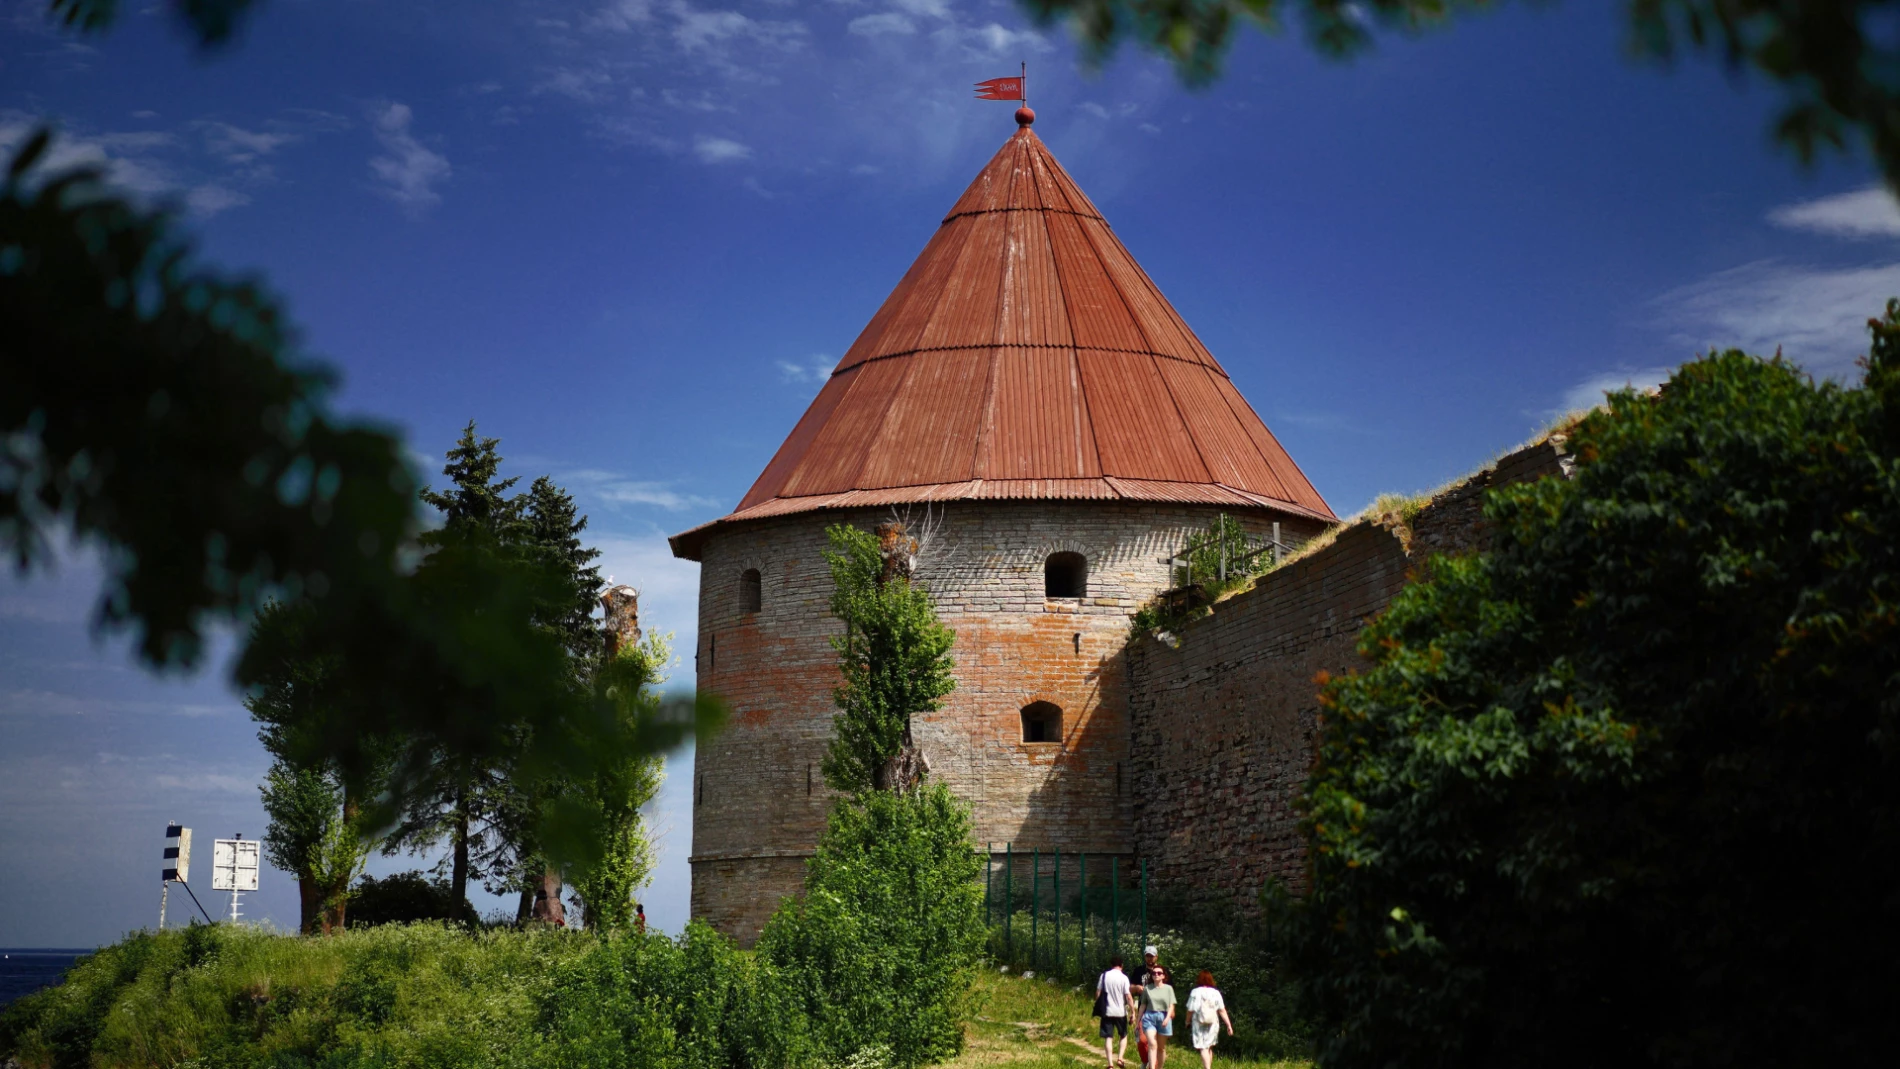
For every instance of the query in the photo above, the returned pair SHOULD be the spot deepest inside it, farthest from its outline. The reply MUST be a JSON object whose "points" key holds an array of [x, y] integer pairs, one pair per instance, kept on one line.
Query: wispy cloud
{"points": [[408, 171], [720, 150], [1590, 392], [1861, 214], [208, 164], [624, 15], [702, 31], [810, 374], [236, 145], [881, 24], [993, 40], [616, 490], [1816, 316]]}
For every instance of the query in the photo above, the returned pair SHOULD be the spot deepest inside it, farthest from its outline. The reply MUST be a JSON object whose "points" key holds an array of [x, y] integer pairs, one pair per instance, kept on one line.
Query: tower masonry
{"points": [[1027, 402]]}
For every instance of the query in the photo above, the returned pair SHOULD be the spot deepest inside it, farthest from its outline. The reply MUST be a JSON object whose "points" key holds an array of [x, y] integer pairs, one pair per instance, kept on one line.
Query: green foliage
{"points": [[894, 656], [404, 898], [1237, 949], [312, 835], [413, 996], [616, 795], [163, 414], [1622, 790], [1221, 558], [885, 940], [1833, 60]]}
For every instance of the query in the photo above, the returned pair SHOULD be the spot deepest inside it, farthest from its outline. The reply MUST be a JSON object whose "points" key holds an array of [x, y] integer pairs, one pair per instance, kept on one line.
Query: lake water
{"points": [[24, 970]]}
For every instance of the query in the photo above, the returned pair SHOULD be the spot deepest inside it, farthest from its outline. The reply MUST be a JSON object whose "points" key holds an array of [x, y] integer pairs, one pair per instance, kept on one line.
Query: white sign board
{"points": [[234, 865], [177, 853]]}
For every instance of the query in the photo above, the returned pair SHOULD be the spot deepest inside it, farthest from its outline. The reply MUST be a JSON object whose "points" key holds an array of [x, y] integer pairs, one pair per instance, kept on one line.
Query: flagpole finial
{"points": [[1025, 118]]}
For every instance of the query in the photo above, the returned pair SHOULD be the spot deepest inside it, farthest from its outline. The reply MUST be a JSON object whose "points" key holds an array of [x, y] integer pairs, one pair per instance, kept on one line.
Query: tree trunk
{"points": [[547, 900], [458, 872], [309, 902], [524, 907], [904, 770]]}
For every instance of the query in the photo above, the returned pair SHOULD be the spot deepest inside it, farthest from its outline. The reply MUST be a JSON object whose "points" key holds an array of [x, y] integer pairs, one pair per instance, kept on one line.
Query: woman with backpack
{"points": [[1206, 1012]]}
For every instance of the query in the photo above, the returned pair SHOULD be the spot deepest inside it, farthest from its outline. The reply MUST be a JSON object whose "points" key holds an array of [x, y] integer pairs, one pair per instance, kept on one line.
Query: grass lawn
{"points": [[1035, 1024]]}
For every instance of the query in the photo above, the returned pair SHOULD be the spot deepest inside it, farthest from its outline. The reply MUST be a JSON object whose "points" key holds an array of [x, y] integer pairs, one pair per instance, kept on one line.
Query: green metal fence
{"points": [[1074, 922]]}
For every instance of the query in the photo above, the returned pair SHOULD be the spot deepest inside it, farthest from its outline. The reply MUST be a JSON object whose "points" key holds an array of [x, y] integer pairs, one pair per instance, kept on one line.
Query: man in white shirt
{"points": [[1117, 1004]]}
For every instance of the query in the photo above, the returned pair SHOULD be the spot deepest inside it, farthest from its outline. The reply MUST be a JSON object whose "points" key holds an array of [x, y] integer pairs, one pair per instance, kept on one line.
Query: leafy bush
{"points": [[419, 995], [1622, 790], [405, 898], [885, 940]]}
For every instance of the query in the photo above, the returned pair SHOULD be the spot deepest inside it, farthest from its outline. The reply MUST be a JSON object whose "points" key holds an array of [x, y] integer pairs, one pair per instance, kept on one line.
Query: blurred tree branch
{"points": [[1836, 62]]}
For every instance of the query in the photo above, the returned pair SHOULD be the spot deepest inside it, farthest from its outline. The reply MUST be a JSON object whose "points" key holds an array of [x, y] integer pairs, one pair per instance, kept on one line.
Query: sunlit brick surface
{"points": [[759, 792]]}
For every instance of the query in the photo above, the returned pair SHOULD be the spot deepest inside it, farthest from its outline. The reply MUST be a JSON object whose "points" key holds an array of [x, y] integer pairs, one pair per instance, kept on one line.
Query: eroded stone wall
{"points": [[760, 798], [1222, 718]]}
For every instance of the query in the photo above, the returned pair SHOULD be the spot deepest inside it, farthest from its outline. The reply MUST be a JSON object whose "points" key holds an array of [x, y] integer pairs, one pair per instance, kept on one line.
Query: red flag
{"points": [[1000, 89]]}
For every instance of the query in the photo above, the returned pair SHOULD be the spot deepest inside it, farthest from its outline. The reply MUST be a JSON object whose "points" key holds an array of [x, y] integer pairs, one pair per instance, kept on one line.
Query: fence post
{"points": [[989, 871], [1057, 956], [1035, 901], [1114, 905], [1082, 950], [1009, 897], [1144, 903]]}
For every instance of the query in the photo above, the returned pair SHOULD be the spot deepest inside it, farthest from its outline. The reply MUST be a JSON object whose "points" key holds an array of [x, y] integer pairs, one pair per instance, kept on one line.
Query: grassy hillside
{"points": [[1035, 1024]]}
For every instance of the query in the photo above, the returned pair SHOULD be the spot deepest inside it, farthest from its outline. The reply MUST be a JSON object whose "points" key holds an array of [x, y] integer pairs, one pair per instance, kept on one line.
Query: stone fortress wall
{"points": [[759, 794], [1222, 714]]}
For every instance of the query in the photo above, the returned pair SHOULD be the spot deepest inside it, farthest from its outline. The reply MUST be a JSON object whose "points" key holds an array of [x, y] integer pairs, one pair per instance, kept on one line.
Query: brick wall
{"points": [[1222, 721], [760, 799]]}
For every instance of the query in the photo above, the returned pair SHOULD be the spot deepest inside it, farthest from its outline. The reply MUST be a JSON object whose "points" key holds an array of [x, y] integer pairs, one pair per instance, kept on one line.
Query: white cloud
{"points": [[210, 199], [936, 9], [1863, 213], [720, 150], [586, 85], [236, 145], [1093, 108], [993, 40], [704, 31], [881, 24], [146, 163], [812, 373], [1148, 128], [614, 489], [409, 171], [624, 15], [1816, 316], [1590, 392]]}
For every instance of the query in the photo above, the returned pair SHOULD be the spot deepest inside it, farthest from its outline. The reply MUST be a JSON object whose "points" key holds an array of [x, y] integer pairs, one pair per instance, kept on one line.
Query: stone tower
{"points": [[1028, 399]]}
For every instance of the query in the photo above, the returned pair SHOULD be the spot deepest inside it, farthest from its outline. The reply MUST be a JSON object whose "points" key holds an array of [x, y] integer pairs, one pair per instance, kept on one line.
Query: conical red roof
{"points": [[1025, 355]]}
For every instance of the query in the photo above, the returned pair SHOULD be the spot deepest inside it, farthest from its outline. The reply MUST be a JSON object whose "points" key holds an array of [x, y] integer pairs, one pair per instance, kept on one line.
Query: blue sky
{"points": [[630, 238]]}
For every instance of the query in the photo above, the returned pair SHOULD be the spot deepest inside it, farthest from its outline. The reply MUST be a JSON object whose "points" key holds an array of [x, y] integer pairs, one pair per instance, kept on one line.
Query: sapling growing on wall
{"points": [[894, 656]]}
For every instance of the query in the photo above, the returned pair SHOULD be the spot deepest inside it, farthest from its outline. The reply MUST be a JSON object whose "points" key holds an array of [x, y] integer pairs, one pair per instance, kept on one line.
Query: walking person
{"points": [[1206, 1012], [1114, 1004], [1157, 1015]]}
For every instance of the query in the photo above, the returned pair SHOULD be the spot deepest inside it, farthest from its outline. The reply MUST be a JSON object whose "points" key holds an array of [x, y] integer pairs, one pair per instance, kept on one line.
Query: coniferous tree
{"points": [[461, 799]]}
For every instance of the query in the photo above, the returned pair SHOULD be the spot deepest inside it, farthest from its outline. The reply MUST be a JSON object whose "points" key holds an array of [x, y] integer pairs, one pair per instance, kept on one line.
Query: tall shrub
{"points": [[883, 945], [894, 656], [1623, 790]]}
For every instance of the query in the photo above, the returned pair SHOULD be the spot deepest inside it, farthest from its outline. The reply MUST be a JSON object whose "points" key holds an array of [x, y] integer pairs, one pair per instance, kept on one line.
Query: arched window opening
{"points": [[751, 591], [1065, 575], [1042, 722]]}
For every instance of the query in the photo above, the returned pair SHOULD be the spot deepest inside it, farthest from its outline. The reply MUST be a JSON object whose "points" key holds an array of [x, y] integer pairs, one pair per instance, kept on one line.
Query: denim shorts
{"points": [[1157, 1022]]}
